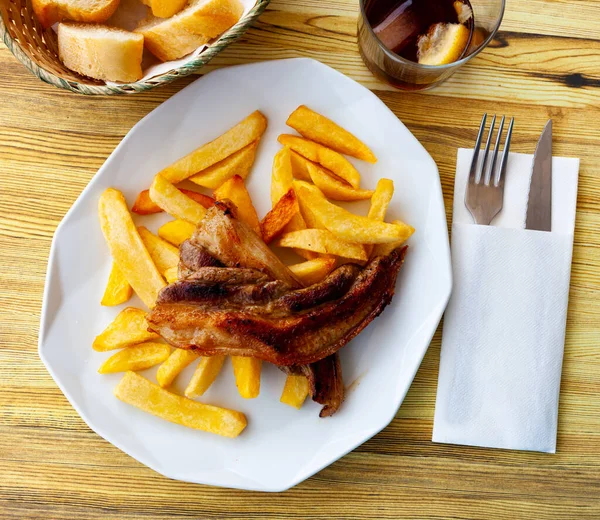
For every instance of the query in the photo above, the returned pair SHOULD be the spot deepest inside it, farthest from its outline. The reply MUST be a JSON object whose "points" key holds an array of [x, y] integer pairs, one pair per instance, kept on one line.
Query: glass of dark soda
{"points": [[417, 44]]}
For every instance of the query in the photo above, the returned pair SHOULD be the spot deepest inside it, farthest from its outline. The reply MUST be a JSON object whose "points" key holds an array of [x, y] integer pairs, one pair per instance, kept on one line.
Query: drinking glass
{"points": [[409, 75]]}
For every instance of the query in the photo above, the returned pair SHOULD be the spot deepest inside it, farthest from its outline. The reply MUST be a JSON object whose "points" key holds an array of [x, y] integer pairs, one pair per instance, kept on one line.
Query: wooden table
{"points": [[545, 63]]}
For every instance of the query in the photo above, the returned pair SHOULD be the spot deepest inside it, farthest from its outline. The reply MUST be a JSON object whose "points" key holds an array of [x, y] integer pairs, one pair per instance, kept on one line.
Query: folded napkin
{"points": [[504, 328]]}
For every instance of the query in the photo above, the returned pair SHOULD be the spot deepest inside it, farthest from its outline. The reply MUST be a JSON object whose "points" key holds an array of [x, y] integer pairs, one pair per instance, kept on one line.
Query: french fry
{"points": [[144, 205], [238, 163], [137, 391], [299, 168], [205, 374], [387, 248], [117, 290], [163, 254], [346, 225], [173, 365], [174, 202], [176, 232], [172, 274], [334, 189], [324, 156], [281, 214], [247, 375], [379, 204], [295, 391], [245, 132], [319, 128], [139, 357], [281, 176], [308, 216], [322, 241], [128, 328], [127, 248], [235, 190], [313, 271]]}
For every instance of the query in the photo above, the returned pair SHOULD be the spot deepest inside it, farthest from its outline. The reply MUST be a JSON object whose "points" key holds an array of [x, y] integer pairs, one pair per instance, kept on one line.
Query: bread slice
{"points": [[51, 11], [165, 8], [196, 25], [101, 52]]}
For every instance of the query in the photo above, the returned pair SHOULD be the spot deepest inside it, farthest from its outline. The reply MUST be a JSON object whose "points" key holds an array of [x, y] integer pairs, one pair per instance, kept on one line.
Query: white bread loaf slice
{"points": [[51, 11], [165, 8], [193, 27], [101, 52]]}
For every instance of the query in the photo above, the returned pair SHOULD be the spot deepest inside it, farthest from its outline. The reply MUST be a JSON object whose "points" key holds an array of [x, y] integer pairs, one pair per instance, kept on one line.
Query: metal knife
{"points": [[539, 206]]}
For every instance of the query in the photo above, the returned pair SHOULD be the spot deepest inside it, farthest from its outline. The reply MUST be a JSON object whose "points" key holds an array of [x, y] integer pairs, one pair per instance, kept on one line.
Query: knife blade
{"points": [[539, 205]]}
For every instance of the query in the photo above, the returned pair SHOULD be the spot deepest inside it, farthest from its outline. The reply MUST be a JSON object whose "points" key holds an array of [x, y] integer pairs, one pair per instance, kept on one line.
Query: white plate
{"points": [[281, 446]]}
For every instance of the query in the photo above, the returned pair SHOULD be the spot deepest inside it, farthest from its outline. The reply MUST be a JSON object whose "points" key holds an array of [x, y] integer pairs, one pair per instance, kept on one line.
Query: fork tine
{"points": [[502, 172], [495, 156], [473, 169], [482, 173]]}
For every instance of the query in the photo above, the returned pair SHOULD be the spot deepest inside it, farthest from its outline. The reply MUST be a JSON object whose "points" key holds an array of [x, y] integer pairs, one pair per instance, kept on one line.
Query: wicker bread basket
{"points": [[37, 49]]}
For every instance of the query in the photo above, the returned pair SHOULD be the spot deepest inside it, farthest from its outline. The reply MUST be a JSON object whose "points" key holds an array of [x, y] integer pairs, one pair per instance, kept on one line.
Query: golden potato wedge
{"points": [[313, 271], [281, 176], [176, 232], [379, 204], [137, 391], [127, 248], [205, 374], [295, 391], [235, 190], [238, 163], [388, 247], [174, 364], [247, 375], [346, 225], [128, 328], [172, 274], [139, 357], [323, 130], [322, 241], [299, 168], [324, 156], [333, 188], [163, 254], [244, 133], [144, 205], [308, 216], [282, 213], [117, 290], [174, 202]]}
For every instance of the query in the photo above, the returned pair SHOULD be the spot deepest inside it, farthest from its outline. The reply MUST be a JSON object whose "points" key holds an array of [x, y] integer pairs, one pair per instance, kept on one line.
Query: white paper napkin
{"points": [[504, 328]]}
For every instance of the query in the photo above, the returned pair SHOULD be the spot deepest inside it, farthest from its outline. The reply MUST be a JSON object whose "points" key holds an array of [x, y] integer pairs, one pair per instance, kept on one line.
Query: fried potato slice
{"points": [[137, 391], [295, 391], [139, 357], [247, 375], [117, 290], [172, 274], [174, 364], [324, 156], [127, 248], [387, 248], [281, 214], [238, 163], [176, 232], [235, 190], [244, 133], [205, 374], [174, 202], [144, 205], [163, 254], [323, 130], [379, 204], [346, 225], [299, 168], [313, 271], [333, 188], [128, 328], [281, 176], [322, 241]]}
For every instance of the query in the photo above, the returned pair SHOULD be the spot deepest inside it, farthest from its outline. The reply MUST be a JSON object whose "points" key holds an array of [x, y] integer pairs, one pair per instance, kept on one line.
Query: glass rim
{"points": [[391, 54]]}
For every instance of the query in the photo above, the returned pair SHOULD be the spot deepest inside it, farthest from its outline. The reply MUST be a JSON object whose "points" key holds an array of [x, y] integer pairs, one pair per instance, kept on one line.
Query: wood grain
{"points": [[543, 64]]}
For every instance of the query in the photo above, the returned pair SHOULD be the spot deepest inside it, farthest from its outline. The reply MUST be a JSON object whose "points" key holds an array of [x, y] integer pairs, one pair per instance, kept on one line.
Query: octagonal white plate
{"points": [[281, 446]]}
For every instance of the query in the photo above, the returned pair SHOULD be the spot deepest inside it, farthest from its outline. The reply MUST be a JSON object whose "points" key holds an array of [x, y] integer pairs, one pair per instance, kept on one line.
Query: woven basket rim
{"points": [[190, 67]]}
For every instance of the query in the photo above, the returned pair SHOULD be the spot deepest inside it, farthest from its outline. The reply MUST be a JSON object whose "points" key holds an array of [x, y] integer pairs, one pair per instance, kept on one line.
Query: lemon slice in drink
{"points": [[443, 43]]}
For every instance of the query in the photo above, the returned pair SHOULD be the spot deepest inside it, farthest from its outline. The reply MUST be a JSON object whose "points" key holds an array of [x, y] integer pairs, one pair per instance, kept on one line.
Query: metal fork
{"points": [[485, 189]]}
